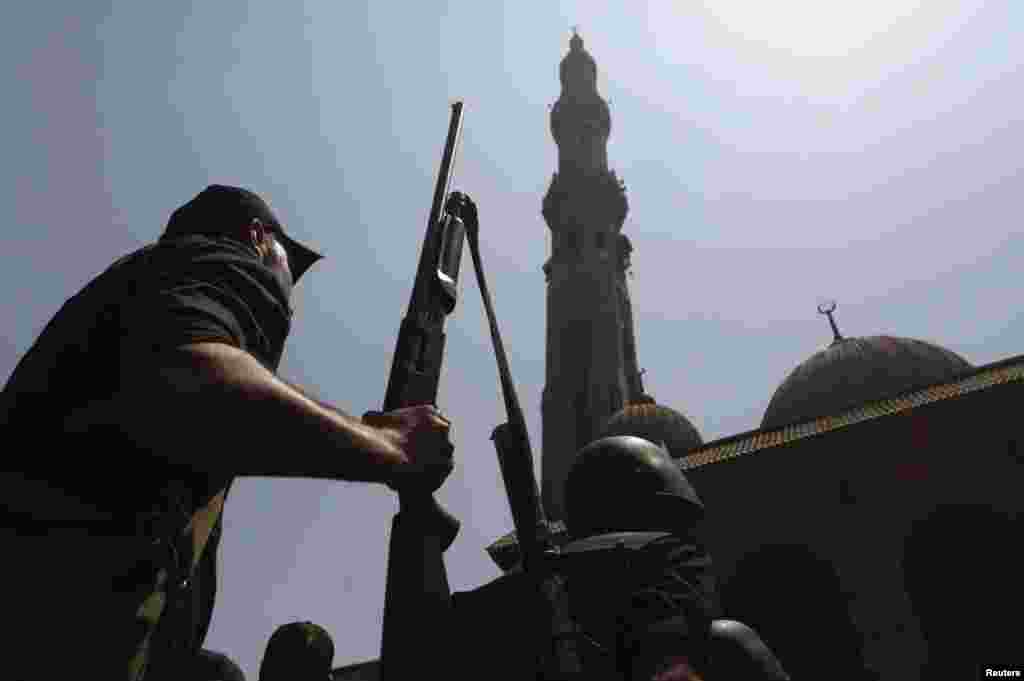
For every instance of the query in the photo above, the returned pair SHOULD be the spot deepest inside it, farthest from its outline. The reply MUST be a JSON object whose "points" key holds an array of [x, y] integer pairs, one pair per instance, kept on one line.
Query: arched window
{"points": [[789, 594], [956, 569]]}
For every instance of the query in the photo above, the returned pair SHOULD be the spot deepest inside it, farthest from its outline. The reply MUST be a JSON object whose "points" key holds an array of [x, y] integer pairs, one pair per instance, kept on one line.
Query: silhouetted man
{"points": [[127, 420], [632, 596]]}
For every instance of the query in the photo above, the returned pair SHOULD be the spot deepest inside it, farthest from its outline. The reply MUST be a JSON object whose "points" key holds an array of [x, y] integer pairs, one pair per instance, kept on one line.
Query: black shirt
{"points": [[179, 291]]}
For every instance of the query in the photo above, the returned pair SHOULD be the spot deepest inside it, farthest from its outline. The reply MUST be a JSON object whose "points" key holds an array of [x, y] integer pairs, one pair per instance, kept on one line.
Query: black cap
{"points": [[220, 208]]}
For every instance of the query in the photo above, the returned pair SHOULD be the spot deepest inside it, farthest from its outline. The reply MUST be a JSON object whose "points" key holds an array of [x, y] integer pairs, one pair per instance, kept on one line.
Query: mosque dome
{"points": [[657, 423], [853, 371]]}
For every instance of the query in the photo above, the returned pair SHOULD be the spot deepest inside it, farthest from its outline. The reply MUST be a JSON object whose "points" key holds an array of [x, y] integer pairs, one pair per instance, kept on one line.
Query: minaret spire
{"points": [[591, 350]]}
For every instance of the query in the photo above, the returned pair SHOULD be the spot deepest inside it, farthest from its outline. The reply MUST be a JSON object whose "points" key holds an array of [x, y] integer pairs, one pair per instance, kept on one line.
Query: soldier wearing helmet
{"points": [[631, 596], [625, 483], [639, 579]]}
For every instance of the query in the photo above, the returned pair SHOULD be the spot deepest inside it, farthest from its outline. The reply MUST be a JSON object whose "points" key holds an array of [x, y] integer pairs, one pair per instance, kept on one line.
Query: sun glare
{"points": [[810, 28]]}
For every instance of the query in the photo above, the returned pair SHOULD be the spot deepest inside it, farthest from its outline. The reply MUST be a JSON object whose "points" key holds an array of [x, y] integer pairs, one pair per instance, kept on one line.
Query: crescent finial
{"points": [[827, 308]]}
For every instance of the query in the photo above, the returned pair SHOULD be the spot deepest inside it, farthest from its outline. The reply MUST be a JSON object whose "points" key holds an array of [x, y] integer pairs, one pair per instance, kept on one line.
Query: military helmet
{"points": [[626, 483], [211, 665], [298, 651]]}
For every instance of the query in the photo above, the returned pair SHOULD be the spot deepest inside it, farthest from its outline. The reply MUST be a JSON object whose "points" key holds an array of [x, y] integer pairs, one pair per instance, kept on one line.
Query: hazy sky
{"points": [[868, 152]]}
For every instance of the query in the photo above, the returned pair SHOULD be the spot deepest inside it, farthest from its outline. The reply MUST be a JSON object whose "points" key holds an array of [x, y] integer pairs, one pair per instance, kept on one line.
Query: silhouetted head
{"points": [[298, 651], [625, 483], [243, 216], [211, 665]]}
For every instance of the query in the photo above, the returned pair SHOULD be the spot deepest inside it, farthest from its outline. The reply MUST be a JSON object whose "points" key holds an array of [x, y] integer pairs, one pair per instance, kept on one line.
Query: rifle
{"points": [[422, 530], [542, 559], [512, 442], [419, 352], [537, 549]]}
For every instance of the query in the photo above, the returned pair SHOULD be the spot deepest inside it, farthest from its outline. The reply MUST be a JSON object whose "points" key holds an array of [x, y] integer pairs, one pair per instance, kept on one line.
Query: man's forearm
{"points": [[320, 403], [219, 409]]}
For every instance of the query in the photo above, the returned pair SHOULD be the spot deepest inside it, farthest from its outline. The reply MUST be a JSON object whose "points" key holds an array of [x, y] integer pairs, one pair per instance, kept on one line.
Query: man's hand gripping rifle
{"points": [[419, 353]]}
